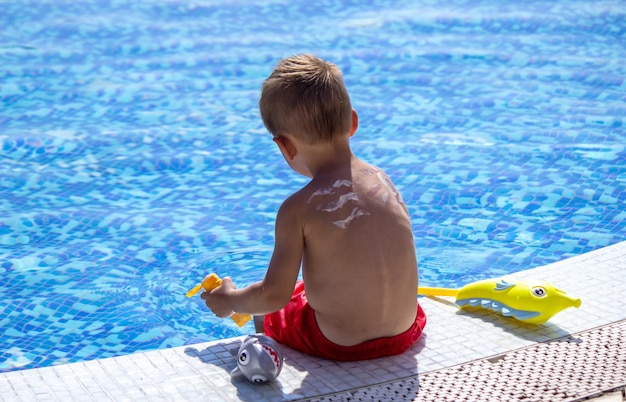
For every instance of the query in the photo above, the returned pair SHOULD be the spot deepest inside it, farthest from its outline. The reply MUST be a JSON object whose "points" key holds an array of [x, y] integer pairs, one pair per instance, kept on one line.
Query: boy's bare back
{"points": [[359, 265]]}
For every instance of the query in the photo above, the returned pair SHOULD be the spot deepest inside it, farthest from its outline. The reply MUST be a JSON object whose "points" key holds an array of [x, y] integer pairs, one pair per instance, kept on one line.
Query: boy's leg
{"points": [[259, 320]]}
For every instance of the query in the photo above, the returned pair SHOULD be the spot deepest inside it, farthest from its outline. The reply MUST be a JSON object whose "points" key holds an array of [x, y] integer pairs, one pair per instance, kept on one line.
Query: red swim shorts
{"points": [[296, 327]]}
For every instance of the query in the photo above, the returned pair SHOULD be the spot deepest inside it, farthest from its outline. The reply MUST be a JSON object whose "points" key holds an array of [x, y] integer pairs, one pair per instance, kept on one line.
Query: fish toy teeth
{"points": [[534, 302]]}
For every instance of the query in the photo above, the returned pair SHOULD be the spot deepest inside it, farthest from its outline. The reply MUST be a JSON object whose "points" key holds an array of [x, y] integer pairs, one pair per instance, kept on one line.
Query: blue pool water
{"points": [[134, 161]]}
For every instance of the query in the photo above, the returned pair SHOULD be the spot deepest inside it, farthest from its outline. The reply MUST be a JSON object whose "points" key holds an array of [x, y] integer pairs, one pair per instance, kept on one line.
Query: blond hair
{"points": [[305, 96]]}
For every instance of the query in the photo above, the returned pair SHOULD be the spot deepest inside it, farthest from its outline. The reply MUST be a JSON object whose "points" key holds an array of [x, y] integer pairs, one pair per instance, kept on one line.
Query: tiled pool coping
{"points": [[453, 337]]}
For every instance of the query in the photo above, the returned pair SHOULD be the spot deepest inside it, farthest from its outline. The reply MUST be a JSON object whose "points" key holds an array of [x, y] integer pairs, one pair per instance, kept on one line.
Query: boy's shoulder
{"points": [[335, 185], [302, 200]]}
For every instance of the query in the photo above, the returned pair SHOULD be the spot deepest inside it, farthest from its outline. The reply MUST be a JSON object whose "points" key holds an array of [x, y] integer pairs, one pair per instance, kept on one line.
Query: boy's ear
{"points": [[355, 123], [286, 147]]}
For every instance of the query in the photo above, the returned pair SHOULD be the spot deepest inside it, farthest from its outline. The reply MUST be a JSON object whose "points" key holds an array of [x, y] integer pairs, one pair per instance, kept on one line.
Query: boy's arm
{"points": [[275, 290]]}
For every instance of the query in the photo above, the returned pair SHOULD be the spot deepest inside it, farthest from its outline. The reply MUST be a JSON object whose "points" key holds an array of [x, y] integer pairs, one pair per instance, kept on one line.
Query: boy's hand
{"points": [[217, 299]]}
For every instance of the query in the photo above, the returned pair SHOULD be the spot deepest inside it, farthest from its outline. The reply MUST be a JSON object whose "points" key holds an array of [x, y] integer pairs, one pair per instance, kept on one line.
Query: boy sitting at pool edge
{"points": [[348, 228]]}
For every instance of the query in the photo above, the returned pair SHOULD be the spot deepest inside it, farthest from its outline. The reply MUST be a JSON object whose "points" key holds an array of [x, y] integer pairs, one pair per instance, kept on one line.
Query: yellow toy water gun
{"points": [[533, 302], [210, 282]]}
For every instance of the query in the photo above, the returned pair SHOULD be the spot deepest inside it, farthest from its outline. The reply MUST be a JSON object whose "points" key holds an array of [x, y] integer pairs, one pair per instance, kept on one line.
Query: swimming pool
{"points": [[134, 160]]}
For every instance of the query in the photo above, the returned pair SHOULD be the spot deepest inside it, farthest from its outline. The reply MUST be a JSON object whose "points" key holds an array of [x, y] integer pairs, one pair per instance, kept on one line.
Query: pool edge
{"points": [[452, 338]]}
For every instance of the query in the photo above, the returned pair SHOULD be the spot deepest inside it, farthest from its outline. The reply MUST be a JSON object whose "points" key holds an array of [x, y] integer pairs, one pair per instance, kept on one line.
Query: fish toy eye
{"points": [[258, 379], [244, 358], [539, 291]]}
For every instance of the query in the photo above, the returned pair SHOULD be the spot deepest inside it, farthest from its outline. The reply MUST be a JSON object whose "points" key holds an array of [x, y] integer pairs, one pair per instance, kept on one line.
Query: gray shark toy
{"points": [[259, 359]]}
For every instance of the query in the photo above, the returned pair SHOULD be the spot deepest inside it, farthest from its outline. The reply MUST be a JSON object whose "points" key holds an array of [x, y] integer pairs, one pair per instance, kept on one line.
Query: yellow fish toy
{"points": [[534, 302]]}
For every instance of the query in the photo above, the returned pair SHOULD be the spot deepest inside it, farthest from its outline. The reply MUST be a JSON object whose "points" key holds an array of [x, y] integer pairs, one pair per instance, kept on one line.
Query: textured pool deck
{"points": [[475, 356]]}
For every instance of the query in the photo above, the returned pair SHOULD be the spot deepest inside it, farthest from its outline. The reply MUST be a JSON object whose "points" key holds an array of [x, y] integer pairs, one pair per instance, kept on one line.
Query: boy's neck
{"points": [[327, 158]]}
